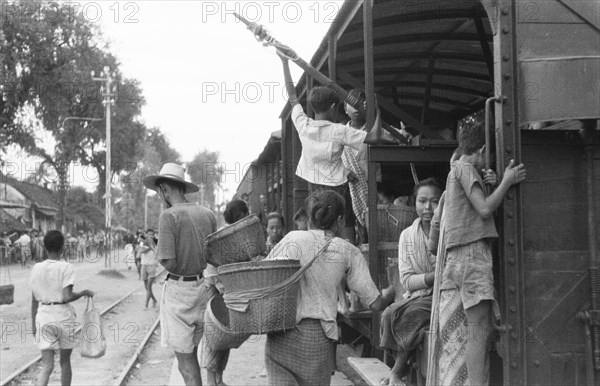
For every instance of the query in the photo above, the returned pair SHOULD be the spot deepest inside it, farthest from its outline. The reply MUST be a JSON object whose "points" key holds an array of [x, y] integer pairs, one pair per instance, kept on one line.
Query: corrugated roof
{"points": [[453, 38]]}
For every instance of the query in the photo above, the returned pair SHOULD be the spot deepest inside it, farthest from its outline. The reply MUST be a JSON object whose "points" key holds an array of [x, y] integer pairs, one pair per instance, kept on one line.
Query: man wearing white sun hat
{"points": [[183, 226]]}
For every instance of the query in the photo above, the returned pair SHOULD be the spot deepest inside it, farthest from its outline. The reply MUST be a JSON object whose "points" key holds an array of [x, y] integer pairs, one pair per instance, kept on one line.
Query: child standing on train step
{"points": [[323, 141], [53, 318], [469, 226]]}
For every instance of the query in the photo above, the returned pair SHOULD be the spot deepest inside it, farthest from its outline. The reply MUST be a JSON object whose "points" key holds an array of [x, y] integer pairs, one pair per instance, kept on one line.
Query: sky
{"points": [[208, 83]]}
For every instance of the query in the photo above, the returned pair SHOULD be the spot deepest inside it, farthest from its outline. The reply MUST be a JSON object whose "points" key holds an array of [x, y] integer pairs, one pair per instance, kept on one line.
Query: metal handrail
{"points": [[488, 101]]}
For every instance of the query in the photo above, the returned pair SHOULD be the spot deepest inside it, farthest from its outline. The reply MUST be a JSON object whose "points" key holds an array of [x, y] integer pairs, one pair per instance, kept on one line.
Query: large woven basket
{"points": [[392, 220], [217, 331], [270, 314], [7, 294], [237, 242]]}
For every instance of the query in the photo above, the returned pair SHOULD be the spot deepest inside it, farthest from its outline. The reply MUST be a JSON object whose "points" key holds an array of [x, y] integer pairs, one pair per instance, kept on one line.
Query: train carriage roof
{"points": [[448, 41]]}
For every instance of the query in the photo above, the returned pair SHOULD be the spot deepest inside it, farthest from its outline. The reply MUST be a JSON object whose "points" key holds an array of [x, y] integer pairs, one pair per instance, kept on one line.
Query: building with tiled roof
{"points": [[9, 224], [34, 206]]}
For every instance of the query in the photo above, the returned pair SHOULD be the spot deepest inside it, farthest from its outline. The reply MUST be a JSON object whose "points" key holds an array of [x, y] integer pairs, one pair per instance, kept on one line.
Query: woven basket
{"points": [[236, 243], [217, 332], [392, 220], [7, 294], [270, 314]]}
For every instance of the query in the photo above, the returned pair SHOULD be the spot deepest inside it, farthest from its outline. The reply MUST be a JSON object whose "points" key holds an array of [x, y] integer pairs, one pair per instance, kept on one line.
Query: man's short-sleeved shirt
{"points": [[463, 224], [322, 146], [181, 232], [48, 279]]}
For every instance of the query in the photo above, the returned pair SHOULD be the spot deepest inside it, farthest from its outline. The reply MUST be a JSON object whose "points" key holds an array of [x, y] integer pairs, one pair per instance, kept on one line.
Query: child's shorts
{"points": [[469, 268], [56, 325]]}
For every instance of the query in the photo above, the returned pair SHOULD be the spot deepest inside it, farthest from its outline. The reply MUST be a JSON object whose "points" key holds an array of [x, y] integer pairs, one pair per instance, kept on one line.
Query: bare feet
{"points": [[398, 371], [395, 381]]}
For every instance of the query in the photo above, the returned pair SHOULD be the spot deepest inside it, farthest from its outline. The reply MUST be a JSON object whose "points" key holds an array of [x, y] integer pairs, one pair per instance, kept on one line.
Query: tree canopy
{"points": [[48, 52], [206, 172]]}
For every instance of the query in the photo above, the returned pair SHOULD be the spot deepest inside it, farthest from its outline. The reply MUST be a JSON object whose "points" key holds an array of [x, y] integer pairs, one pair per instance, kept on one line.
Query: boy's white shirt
{"points": [[49, 277], [322, 146]]}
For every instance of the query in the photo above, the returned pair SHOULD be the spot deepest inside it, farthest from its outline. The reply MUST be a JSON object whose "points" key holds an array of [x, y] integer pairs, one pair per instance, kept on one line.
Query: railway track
{"points": [[17, 377]]}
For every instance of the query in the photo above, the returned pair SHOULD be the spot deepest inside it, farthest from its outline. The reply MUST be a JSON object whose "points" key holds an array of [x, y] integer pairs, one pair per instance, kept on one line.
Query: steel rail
{"points": [[129, 366]]}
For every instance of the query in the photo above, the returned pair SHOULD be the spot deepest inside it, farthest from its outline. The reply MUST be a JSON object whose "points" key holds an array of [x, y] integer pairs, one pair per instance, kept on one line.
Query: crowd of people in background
{"points": [[25, 247]]}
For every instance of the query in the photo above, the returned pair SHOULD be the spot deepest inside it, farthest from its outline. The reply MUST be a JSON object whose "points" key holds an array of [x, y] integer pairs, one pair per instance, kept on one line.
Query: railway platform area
{"points": [[246, 367], [134, 355]]}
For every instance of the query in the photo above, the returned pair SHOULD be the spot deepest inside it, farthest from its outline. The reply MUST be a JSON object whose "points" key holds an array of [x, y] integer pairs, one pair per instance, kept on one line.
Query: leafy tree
{"points": [[84, 210], [206, 172], [155, 151], [48, 52]]}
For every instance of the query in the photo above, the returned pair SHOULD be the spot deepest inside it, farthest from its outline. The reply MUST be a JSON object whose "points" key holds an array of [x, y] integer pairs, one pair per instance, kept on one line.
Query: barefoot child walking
{"points": [[53, 318]]}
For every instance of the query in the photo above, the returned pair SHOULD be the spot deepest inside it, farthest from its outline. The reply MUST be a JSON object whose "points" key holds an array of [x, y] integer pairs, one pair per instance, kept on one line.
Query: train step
{"points": [[371, 370]]}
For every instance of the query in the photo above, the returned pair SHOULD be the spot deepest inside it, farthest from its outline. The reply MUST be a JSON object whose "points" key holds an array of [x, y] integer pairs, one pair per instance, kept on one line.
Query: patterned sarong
{"points": [[452, 340], [302, 356], [446, 362], [359, 189]]}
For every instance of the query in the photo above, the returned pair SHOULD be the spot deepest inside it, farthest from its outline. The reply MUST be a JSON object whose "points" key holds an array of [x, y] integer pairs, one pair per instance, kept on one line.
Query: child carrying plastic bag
{"points": [[93, 343]]}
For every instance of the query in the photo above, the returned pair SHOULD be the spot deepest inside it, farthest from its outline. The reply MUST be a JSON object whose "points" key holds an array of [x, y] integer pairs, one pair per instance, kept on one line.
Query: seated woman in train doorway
{"points": [[403, 324]]}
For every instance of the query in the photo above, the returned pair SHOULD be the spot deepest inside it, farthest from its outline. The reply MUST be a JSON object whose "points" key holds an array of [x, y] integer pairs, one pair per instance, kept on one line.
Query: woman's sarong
{"points": [[446, 362], [404, 324], [302, 356], [451, 342]]}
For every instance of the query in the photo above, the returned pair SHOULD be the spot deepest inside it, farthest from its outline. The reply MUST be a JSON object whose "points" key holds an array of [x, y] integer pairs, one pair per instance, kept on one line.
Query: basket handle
{"points": [[239, 300], [390, 215]]}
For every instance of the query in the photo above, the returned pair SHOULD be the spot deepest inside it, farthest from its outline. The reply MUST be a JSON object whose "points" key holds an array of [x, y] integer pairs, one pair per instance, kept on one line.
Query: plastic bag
{"points": [[93, 340]]}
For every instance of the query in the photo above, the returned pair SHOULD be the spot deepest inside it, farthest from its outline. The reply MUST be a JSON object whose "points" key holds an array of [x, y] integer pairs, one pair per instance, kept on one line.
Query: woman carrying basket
{"points": [[304, 355], [215, 361]]}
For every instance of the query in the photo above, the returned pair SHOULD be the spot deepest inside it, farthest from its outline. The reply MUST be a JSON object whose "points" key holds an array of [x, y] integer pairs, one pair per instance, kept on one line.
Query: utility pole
{"points": [[62, 169], [202, 191], [145, 209], [107, 90]]}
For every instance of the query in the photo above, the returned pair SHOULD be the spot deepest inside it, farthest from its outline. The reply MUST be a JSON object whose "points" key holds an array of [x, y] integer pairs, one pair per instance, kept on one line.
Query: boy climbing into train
{"points": [[323, 141], [469, 226]]}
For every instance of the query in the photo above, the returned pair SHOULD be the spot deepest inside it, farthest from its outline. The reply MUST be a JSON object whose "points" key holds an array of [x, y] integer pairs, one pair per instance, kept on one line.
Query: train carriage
{"points": [[532, 70]]}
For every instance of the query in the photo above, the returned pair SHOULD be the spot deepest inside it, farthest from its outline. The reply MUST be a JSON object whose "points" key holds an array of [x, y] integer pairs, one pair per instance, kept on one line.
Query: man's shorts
{"points": [[148, 271], [469, 268], [182, 314], [56, 325], [344, 191]]}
